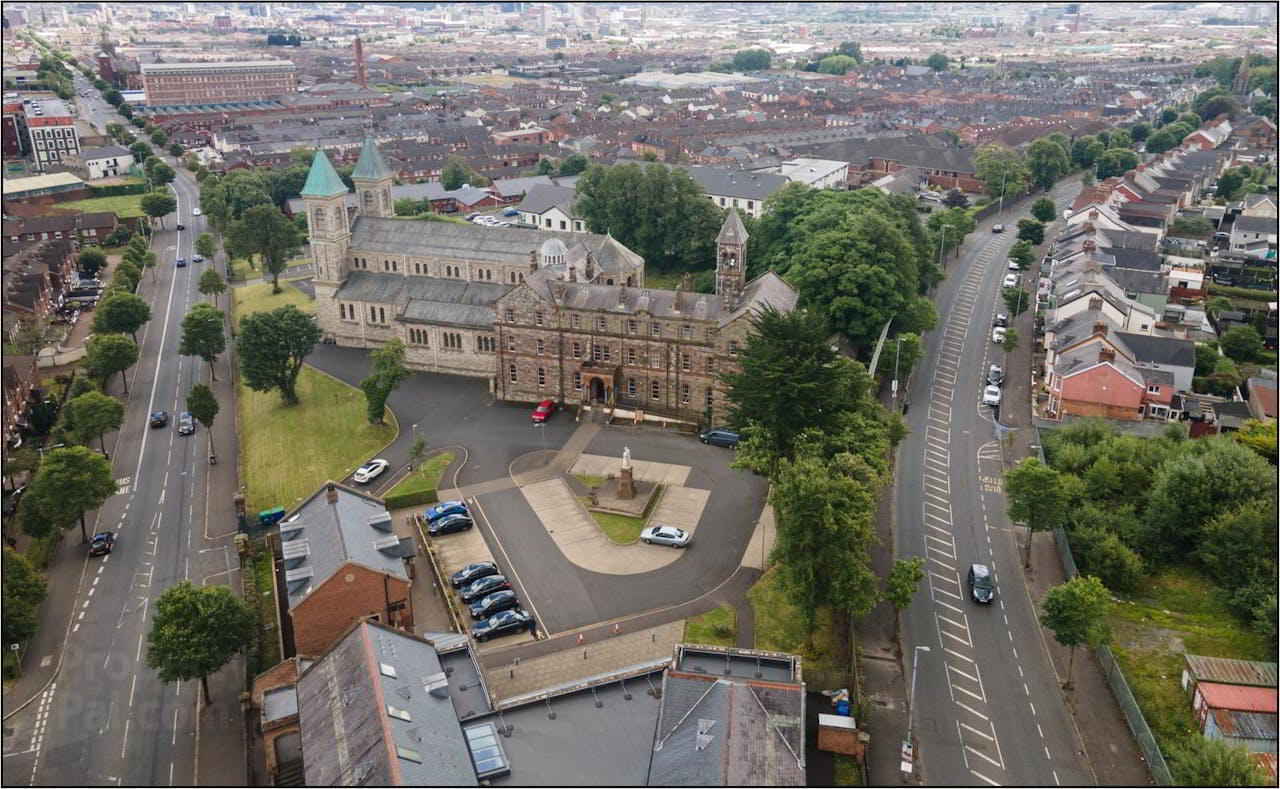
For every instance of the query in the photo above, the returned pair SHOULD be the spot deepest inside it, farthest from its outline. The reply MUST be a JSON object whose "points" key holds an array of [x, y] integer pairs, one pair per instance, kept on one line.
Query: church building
{"points": [[542, 315]]}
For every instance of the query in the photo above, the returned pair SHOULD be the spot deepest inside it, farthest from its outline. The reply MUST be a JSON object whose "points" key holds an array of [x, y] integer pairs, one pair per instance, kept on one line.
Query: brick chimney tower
{"points": [[362, 79]]}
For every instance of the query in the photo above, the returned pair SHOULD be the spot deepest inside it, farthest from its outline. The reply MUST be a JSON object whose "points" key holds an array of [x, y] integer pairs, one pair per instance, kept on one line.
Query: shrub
{"points": [[412, 499]]}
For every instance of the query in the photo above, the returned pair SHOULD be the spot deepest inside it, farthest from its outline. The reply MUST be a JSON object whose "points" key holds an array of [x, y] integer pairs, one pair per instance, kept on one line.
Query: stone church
{"points": [[542, 315]]}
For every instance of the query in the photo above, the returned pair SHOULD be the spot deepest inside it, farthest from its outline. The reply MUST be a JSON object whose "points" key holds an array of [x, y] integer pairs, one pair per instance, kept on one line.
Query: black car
{"points": [[186, 425], [980, 586], [489, 605], [160, 419], [472, 573], [484, 586], [500, 624], [102, 543], [449, 525], [181, 226], [720, 437]]}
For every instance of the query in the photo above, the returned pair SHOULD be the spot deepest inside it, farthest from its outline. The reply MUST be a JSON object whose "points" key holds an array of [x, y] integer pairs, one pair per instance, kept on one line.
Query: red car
{"points": [[544, 410]]}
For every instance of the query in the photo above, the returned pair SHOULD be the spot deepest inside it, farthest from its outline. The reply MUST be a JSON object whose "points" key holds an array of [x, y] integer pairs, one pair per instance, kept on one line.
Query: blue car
{"points": [[182, 262], [511, 212], [446, 508]]}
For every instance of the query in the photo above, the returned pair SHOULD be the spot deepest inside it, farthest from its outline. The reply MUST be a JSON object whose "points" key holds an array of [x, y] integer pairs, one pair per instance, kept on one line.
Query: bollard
{"points": [[579, 639], [617, 628]]}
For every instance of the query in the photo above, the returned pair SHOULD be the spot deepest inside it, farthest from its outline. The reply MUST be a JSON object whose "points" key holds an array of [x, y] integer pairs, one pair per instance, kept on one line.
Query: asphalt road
{"points": [[987, 707], [108, 719]]}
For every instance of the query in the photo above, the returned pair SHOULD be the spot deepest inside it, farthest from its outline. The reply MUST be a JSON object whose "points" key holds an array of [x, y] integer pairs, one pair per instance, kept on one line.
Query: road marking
{"points": [[961, 673], [983, 777], [968, 692], [983, 734]]}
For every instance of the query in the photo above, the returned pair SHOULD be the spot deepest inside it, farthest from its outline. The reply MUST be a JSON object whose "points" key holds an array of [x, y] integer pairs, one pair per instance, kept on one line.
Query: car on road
{"points": [[181, 226], [720, 437], [665, 535], [1011, 280], [449, 525], [182, 263], [484, 586], [1001, 320], [471, 573], [502, 623], [995, 376], [980, 587], [197, 258], [544, 410], [1013, 265], [186, 425], [991, 396], [491, 604], [997, 228], [195, 212], [159, 418], [370, 470], [443, 508], [997, 335], [102, 543]]}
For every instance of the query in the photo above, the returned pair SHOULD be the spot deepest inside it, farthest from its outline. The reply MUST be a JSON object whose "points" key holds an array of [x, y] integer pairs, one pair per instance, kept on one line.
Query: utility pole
{"points": [[909, 745], [1003, 178], [942, 245], [896, 354]]}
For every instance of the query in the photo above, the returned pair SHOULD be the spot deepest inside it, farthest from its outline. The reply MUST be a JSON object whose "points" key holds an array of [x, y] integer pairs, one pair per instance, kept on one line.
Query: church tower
{"points": [[325, 198], [731, 260], [373, 179]]}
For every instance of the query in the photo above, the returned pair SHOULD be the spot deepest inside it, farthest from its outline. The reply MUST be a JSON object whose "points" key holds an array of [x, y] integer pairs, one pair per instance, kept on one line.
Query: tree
{"points": [[850, 49], [1023, 254], [1241, 343], [1031, 231], [90, 261], [1260, 437], [1219, 105], [456, 173], [71, 481], [1076, 612], [573, 164], [265, 231], [751, 60], [202, 404], [1160, 141], [94, 414], [175, 150], [1229, 184], [1265, 107], [159, 172], [272, 346], [159, 137], [418, 453], [1044, 209], [1047, 161], [1036, 497], [35, 335], [212, 284], [836, 64], [158, 205], [1015, 300], [202, 334], [1086, 150], [122, 313], [141, 152], [1116, 161], [387, 373], [955, 198], [1001, 171], [938, 61], [196, 630], [959, 223], [1140, 131], [24, 589], [16, 461], [546, 166], [109, 354], [205, 245], [901, 585], [1201, 761]]}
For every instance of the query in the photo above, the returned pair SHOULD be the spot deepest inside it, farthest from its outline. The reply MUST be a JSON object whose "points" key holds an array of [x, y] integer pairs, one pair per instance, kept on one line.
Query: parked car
{"points": [[369, 471], [997, 228], [991, 396], [997, 335], [159, 418], [980, 587], [995, 375], [186, 425], [471, 573], [1013, 265], [502, 623], [102, 543], [484, 586], [449, 525], [443, 508], [665, 535], [1010, 280], [1001, 320], [511, 212], [182, 262], [491, 604], [720, 437], [544, 410], [471, 216]]}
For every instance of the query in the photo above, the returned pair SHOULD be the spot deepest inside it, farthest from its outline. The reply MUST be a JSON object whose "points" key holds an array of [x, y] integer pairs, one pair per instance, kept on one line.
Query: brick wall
{"points": [[350, 593]]}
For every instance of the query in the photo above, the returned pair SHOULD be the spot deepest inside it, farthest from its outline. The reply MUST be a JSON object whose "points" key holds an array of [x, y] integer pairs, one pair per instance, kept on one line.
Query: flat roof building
{"points": [[203, 83]]}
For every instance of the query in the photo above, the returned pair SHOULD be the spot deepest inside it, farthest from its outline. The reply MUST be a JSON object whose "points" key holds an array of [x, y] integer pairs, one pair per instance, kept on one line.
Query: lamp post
{"points": [[942, 246], [911, 697], [897, 352], [1003, 178]]}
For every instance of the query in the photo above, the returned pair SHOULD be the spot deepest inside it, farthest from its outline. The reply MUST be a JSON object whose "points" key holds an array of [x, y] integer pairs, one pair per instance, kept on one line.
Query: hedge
{"points": [[402, 500], [115, 190], [1233, 292]]}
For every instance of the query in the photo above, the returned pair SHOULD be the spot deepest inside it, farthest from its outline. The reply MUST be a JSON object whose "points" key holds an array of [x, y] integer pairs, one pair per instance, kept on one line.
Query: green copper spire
{"points": [[371, 165], [323, 180]]}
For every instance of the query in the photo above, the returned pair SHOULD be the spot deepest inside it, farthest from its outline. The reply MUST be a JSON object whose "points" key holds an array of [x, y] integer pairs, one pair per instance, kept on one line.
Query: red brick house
{"points": [[20, 378], [1094, 380]]}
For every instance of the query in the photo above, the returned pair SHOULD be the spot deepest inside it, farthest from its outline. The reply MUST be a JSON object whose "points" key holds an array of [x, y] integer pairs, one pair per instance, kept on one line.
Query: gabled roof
{"points": [[1151, 349], [1230, 671], [732, 231], [323, 180], [370, 165]]}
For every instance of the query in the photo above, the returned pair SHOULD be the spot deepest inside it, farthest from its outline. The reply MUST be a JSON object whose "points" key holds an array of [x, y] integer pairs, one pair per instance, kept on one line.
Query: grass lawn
{"points": [[240, 270], [268, 636], [590, 480], [427, 477], [286, 453], [1179, 611], [121, 205], [249, 299], [779, 627], [716, 627], [622, 529]]}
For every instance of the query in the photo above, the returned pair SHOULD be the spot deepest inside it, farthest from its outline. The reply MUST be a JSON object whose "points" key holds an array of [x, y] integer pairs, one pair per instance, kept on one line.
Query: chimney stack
{"points": [[1095, 302], [1100, 328], [1106, 355], [331, 493], [362, 79]]}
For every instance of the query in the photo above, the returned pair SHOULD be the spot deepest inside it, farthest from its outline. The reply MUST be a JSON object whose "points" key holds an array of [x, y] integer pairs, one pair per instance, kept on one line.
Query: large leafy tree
{"points": [[1076, 612], [1116, 161], [158, 205], [1044, 209], [1002, 171], [202, 334], [24, 589], [272, 346], [202, 404], [212, 284], [266, 232], [71, 481], [122, 313], [456, 173], [751, 60], [959, 223], [1030, 230], [196, 630], [109, 354], [1200, 761], [901, 585], [1086, 150], [387, 373], [94, 414], [159, 172], [1047, 161], [1241, 343], [205, 245], [1037, 497], [91, 260]]}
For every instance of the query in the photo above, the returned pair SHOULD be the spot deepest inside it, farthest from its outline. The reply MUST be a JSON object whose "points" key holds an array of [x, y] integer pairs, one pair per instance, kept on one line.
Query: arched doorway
{"points": [[597, 391]]}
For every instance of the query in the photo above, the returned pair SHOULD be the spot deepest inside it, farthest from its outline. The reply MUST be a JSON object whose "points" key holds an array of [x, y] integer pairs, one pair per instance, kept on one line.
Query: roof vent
{"points": [[361, 772], [404, 692], [389, 545], [380, 521], [705, 725], [295, 553], [703, 740], [298, 579], [291, 529], [437, 685]]}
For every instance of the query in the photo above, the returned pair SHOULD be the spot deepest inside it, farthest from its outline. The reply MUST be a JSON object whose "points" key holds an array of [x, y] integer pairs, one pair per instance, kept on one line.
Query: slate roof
{"points": [[1085, 357], [453, 302], [732, 230], [350, 735], [1136, 259], [1265, 225], [1167, 351], [371, 165], [1134, 281], [733, 183], [105, 152], [1071, 330], [541, 198], [323, 180]]}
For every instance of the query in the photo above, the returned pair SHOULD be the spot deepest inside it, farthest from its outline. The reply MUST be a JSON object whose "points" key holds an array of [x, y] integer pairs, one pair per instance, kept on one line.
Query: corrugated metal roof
{"points": [[1238, 697], [1246, 725], [1267, 761], [1230, 671]]}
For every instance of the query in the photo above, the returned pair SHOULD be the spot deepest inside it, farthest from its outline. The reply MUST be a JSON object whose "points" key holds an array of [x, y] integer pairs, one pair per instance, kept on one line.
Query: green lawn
{"points": [[716, 627], [590, 480], [121, 205], [622, 529], [286, 453], [1179, 611], [425, 478], [778, 626], [240, 270], [249, 299]]}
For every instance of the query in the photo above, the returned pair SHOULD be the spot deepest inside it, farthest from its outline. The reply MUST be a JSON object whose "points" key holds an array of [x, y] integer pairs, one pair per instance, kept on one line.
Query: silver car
{"points": [[665, 535]]}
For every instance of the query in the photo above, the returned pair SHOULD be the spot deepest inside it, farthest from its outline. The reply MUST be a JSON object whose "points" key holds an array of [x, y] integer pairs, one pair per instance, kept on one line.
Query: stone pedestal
{"points": [[626, 487]]}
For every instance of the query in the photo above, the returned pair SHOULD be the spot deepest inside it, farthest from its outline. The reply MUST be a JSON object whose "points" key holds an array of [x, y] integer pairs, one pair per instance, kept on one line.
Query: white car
{"points": [[1011, 280], [1013, 265], [997, 335], [195, 212], [991, 396], [665, 535], [370, 470]]}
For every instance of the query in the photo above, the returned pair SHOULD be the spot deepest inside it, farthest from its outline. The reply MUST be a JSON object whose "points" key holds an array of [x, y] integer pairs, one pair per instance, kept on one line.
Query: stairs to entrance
{"points": [[600, 414]]}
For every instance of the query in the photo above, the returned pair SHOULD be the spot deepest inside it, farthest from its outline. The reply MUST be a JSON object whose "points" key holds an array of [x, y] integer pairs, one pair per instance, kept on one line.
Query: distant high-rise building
{"points": [[556, 42]]}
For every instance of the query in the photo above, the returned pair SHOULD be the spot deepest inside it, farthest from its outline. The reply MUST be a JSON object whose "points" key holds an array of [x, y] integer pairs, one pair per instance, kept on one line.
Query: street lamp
{"points": [[942, 245], [1003, 178], [897, 352], [911, 697]]}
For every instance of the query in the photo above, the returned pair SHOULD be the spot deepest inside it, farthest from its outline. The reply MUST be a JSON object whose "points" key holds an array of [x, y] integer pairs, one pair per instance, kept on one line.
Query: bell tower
{"points": [[731, 259], [328, 227], [373, 179]]}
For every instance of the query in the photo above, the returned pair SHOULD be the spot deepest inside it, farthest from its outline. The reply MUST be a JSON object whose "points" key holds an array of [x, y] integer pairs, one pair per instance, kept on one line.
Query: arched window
{"points": [[373, 314], [318, 218], [342, 311], [382, 316], [366, 200]]}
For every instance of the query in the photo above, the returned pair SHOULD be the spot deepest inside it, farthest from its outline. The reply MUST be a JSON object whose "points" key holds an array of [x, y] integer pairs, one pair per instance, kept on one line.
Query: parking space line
{"points": [[954, 653]]}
